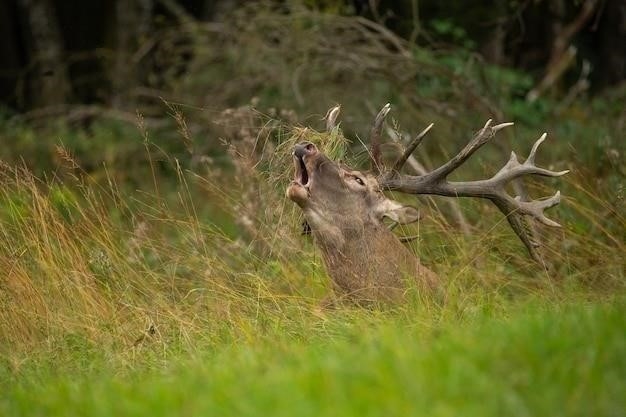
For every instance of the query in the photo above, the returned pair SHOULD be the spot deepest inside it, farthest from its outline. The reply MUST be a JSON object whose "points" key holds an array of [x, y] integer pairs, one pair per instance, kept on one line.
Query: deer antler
{"points": [[436, 182], [375, 133], [331, 117]]}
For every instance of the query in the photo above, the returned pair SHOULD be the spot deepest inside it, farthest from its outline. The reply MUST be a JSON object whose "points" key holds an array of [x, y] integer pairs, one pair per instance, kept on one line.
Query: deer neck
{"points": [[365, 260]]}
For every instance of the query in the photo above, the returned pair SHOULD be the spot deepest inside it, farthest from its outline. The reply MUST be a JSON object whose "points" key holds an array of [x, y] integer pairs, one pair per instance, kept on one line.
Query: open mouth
{"points": [[302, 175]]}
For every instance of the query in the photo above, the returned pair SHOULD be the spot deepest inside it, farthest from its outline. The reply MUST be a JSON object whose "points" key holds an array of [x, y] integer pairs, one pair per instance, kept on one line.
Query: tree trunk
{"points": [[133, 22], [11, 87], [611, 68], [50, 84]]}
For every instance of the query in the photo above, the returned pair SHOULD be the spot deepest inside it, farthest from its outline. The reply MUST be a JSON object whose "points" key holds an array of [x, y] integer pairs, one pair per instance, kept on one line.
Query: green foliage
{"points": [[566, 359], [446, 28]]}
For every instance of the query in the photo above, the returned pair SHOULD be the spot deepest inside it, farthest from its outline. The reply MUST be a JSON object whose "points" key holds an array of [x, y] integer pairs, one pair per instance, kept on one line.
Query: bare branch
{"points": [[563, 52], [408, 239]]}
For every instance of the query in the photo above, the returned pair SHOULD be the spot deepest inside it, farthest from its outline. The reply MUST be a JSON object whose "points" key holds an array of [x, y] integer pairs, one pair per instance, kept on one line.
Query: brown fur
{"points": [[345, 210]]}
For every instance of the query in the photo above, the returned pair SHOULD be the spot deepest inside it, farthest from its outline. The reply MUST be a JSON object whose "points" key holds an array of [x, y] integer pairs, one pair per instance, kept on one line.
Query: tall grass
{"points": [[82, 256], [113, 299]]}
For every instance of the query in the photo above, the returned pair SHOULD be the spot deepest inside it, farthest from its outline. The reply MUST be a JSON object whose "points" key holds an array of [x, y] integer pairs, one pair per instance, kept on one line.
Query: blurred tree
{"points": [[11, 55], [610, 38], [49, 83], [61, 51], [133, 21]]}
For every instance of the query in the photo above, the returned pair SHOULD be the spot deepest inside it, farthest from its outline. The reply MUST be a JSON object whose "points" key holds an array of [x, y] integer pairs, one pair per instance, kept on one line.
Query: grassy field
{"points": [[151, 265], [565, 359], [184, 296]]}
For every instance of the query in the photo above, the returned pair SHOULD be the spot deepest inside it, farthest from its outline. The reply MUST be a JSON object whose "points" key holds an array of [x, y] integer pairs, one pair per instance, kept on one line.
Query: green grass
{"points": [[117, 302], [201, 299], [564, 359]]}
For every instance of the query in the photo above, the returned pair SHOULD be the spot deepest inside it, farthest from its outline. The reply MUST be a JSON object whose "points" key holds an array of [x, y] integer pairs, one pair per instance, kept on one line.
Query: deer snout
{"points": [[303, 149]]}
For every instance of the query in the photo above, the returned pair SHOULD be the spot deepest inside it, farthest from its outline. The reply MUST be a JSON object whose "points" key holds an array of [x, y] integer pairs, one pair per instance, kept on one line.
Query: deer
{"points": [[345, 210]]}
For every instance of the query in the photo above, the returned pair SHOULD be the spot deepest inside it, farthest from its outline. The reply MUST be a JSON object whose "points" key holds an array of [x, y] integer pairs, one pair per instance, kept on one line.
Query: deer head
{"points": [[345, 209], [332, 193]]}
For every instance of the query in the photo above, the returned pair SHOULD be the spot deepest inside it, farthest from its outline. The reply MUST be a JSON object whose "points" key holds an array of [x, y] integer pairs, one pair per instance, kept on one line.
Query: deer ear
{"points": [[397, 212]]}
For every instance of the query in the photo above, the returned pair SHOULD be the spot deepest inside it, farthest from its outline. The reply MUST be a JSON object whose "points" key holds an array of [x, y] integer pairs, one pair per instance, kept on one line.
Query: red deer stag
{"points": [[344, 209]]}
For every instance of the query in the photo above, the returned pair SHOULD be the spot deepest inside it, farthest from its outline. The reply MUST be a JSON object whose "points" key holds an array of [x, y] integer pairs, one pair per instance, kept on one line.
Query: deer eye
{"points": [[359, 180]]}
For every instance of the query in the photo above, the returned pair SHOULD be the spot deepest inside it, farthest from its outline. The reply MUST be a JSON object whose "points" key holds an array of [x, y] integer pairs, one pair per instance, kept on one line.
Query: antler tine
{"points": [[501, 126], [519, 223], [535, 208], [514, 169], [530, 161], [331, 117], [531, 156], [415, 142], [482, 137], [375, 138]]}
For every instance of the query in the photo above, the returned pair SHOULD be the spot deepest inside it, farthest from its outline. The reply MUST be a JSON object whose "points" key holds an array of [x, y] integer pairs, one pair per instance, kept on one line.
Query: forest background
{"points": [[150, 262]]}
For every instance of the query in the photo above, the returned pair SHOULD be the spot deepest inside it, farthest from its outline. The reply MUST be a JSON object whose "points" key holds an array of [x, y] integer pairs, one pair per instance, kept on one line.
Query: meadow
{"points": [[197, 295], [150, 263]]}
